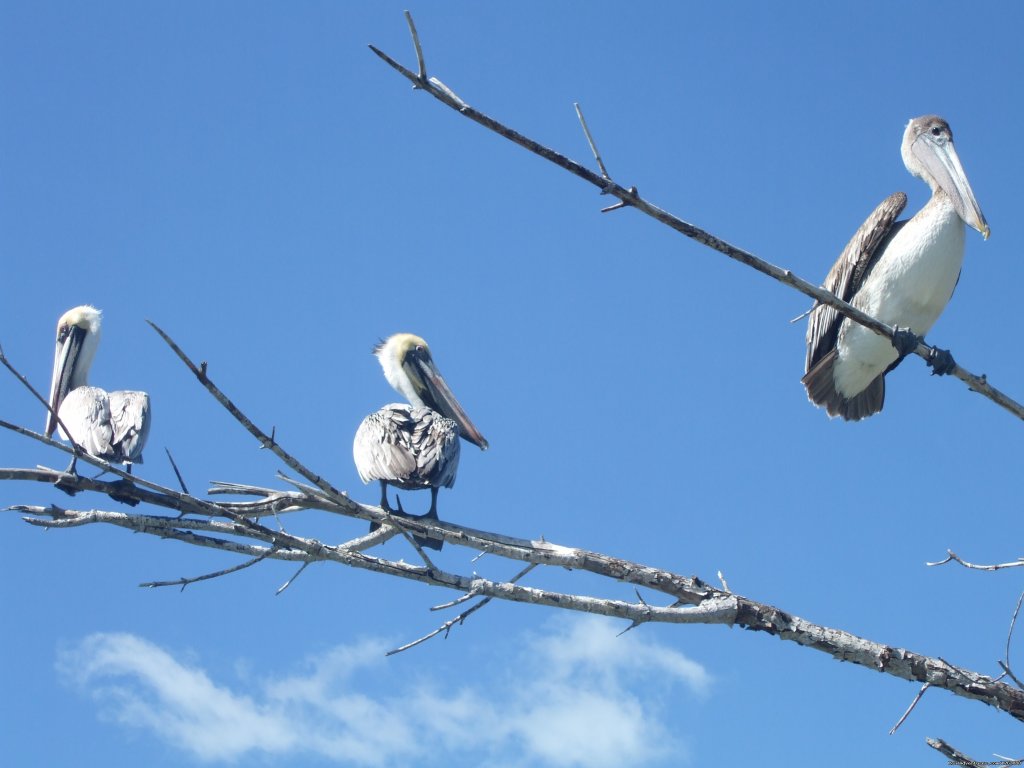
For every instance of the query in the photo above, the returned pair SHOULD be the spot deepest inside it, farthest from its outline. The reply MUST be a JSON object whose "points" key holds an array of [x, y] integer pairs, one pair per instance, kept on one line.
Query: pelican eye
{"points": [[936, 130]]}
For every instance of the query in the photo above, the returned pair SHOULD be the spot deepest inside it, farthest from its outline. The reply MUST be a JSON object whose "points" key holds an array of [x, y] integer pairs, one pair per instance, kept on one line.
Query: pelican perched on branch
{"points": [[901, 272], [108, 425], [413, 445]]}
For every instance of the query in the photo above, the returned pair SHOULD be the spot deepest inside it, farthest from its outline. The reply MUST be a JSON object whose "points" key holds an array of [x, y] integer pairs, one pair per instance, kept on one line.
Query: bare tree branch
{"points": [[1005, 664], [953, 557], [956, 757], [630, 197], [694, 602]]}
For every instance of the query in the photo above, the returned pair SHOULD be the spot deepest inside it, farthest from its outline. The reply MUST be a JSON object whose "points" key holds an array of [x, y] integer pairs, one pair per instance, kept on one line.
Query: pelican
{"points": [[109, 425], [413, 445], [900, 272]]}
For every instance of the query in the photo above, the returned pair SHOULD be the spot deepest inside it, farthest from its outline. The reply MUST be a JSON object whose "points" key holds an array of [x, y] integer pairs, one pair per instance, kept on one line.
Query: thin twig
{"points": [[910, 709], [1008, 673], [590, 141], [953, 557], [416, 44], [288, 583], [174, 466], [1009, 636], [185, 581], [452, 603], [631, 198]]}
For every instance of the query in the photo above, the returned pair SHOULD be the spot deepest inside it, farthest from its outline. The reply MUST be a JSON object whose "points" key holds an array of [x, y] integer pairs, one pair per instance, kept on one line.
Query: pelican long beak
{"points": [[942, 162], [437, 396], [65, 358]]}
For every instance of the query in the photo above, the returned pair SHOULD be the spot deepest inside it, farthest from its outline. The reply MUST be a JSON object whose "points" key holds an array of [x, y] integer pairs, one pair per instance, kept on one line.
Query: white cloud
{"points": [[577, 696]]}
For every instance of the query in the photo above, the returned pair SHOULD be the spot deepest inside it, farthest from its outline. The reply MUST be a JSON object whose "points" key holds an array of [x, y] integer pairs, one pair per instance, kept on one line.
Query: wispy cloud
{"points": [[577, 696]]}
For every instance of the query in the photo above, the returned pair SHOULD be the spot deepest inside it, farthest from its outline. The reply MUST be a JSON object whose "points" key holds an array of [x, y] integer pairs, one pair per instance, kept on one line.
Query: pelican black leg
{"points": [[383, 504], [941, 362], [905, 341], [430, 515], [72, 469], [423, 541]]}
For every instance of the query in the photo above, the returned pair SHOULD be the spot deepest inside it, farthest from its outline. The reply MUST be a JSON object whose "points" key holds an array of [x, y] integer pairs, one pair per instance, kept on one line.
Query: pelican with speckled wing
{"points": [[413, 445], [900, 272], [109, 425]]}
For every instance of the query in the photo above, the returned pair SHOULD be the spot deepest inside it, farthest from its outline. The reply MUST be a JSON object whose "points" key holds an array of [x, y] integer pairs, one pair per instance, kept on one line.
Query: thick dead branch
{"points": [[693, 602], [956, 757], [630, 197]]}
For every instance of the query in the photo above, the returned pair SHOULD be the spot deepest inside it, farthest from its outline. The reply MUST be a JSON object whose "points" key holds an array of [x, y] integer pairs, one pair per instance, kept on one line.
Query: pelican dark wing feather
{"points": [[848, 274]]}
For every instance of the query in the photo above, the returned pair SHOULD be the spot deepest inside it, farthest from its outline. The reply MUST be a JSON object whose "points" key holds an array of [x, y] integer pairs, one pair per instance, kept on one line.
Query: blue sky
{"points": [[253, 179]]}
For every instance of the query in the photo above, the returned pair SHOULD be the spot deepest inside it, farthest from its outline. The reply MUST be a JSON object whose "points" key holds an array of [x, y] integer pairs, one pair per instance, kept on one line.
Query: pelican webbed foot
{"points": [[941, 362], [423, 541], [905, 341]]}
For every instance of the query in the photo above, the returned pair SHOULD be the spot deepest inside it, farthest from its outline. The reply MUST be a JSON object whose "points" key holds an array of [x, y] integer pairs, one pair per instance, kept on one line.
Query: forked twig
{"points": [[186, 580], [447, 626]]}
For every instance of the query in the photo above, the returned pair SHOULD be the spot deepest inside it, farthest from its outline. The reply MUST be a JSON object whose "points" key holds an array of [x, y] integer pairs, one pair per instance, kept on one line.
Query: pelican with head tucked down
{"points": [[413, 445], [900, 272], [109, 425]]}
